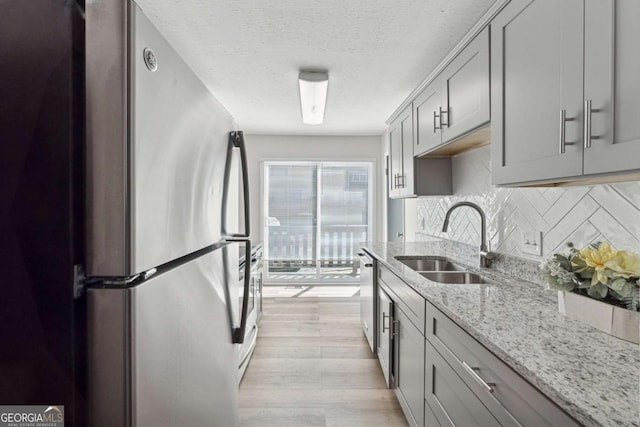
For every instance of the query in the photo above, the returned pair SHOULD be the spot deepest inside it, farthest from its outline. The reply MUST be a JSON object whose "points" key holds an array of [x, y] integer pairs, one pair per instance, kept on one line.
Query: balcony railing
{"points": [[294, 247]]}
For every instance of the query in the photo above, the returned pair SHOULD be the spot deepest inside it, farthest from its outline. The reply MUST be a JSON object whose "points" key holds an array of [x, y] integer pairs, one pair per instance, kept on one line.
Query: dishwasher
{"points": [[368, 300]]}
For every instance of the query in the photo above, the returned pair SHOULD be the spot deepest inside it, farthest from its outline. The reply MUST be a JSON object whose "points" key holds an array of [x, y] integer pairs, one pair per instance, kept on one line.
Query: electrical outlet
{"points": [[531, 242]]}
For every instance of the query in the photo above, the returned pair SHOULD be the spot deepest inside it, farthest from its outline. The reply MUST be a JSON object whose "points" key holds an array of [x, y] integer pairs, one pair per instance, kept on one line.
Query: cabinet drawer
{"points": [[512, 400], [410, 301], [452, 402]]}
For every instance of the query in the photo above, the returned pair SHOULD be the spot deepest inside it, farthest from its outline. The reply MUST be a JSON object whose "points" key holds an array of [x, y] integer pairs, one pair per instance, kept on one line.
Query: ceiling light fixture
{"points": [[313, 95]]}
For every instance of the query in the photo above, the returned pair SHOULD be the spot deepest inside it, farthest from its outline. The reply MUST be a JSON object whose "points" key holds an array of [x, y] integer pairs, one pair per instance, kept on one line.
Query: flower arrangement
{"points": [[598, 271]]}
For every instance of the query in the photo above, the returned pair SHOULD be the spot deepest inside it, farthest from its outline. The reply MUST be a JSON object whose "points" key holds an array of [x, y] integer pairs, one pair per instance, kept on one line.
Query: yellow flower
{"points": [[626, 264], [596, 259]]}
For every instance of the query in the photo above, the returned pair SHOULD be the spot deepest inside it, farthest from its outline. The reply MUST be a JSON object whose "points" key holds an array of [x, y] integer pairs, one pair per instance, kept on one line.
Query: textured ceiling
{"points": [[249, 52]]}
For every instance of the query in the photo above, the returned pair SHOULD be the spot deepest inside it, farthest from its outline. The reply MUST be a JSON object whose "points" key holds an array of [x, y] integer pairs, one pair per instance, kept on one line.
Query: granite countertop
{"points": [[591, 375]]}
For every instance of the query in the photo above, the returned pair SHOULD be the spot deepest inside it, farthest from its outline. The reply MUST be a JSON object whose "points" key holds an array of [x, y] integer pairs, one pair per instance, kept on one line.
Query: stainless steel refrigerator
{"points": [[164, 164]]}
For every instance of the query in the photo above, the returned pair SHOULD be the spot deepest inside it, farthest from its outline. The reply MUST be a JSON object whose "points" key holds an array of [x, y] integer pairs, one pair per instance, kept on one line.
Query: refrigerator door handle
{"points": [[238, 333], [236, 140]]}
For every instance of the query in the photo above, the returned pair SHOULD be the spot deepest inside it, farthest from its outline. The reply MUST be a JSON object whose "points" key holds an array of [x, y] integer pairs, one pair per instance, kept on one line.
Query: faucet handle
{"points": [[486, 257], [488, 254]]}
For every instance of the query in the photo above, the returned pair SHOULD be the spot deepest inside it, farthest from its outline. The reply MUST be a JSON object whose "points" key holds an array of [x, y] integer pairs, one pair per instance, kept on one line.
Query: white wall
{"points": [[349, 148]]}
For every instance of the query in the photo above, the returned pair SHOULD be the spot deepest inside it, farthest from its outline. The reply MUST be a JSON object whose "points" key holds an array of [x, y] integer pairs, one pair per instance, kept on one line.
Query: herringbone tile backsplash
{"points": [[580, 215]]}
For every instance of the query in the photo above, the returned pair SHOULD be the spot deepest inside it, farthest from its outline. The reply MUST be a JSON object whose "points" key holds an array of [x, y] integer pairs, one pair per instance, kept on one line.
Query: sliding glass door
{"points": [[316, 213]]}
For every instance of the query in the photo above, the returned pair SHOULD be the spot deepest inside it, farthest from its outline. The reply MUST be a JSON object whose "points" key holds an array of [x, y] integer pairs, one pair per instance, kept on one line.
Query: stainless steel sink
{"points": [[457, 277], [429, 264]]}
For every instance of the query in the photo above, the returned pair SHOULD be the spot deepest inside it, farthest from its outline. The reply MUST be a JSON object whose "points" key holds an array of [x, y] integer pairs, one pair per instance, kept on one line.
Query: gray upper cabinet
{"points": [[426, 110], [410, 177], [457, 101], [401, 149], [558, 114], [536, 66], [395, 157], [407, 183], [465, 90], [612, 85]]}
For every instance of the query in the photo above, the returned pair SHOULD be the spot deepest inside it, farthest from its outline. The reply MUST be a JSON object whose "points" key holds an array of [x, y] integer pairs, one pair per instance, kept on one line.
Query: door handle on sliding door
{"points": [[236, 140]]}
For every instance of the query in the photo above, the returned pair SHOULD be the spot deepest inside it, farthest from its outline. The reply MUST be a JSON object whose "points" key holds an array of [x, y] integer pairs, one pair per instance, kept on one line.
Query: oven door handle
{"points": [[238, 333]]}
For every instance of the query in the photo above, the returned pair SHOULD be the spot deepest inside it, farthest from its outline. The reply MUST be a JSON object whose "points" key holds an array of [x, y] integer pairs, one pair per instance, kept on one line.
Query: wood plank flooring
{"points": [[312, 367]]}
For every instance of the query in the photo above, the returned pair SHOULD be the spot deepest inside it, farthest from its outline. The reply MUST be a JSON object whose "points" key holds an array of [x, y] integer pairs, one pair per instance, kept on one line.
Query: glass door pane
{"points": [[345, 218], [290, 225], [316, 214]]}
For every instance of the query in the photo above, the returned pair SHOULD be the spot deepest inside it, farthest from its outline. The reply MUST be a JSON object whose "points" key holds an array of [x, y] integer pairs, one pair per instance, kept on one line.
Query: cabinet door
{"points": [[410, 368], [452, 402], [385, 317], [426, 115], [612, 85], [395, 151], [407, 180], [536, 74], [465, 89]]}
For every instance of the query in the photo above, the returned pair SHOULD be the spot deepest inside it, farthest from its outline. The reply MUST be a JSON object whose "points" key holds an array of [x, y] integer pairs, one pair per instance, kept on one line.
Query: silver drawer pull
{"points": [[473, 371]]}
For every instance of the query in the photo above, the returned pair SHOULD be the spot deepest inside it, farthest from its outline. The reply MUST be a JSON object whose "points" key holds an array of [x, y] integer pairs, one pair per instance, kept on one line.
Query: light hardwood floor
{"points": [[312, 367]]}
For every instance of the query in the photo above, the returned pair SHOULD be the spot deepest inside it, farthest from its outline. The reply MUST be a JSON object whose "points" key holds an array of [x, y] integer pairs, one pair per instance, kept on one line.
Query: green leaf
{"points": [[622, 287], [598, 291]]}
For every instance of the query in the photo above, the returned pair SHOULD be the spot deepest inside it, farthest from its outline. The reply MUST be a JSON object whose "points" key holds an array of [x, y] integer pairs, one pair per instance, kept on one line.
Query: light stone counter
{"points": [[593, 376]]}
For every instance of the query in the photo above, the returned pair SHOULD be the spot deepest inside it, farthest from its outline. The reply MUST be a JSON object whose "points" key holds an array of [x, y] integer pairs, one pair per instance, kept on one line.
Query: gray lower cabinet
{"points": [[452, 402], [443, 376], [564, 90], [473, 373], [383, 342], [409, 368]]}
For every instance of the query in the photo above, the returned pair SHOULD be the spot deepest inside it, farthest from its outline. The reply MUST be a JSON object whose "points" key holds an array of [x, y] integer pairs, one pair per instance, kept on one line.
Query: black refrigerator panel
{"points": [[41, 213]]}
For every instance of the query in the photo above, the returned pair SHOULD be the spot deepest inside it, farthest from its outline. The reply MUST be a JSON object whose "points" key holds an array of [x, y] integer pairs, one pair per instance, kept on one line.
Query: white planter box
{"points": [[616, 321]]}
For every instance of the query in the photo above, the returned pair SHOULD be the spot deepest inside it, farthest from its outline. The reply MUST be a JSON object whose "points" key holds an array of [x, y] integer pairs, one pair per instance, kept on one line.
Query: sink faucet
{"points": [[485, 255]]}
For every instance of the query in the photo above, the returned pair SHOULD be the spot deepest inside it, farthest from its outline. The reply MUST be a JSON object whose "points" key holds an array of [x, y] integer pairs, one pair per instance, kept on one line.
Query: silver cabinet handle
{"points": [[401, 180], [473, 371], [385, 316], [587, 123], [563, 131], [441, 113], [435, 116]]}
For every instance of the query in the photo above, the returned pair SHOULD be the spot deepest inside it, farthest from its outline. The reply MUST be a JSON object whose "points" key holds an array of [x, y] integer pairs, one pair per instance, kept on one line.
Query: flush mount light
{"points": [[313, 95]]}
